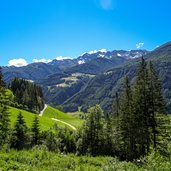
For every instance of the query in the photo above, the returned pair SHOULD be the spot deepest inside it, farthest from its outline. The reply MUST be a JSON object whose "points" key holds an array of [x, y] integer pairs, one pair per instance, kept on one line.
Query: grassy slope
{"points": [[55, 113], [41, 160], [45, 123]]}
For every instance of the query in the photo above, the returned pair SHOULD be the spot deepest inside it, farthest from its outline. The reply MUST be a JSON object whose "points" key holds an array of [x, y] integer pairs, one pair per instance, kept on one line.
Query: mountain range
{"points": [[93, 77]]}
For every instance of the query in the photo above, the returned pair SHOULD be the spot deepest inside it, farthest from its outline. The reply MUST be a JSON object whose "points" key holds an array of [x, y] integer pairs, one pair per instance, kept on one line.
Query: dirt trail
{"points": [[41, 113], [64, 123]]}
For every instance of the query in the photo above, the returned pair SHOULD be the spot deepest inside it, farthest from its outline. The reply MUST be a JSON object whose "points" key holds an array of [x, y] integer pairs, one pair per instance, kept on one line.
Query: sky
{"points": [[42, 30]]}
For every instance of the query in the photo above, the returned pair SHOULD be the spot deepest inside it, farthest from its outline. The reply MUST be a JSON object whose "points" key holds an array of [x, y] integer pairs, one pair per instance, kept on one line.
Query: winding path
{"points": [[64, 123], [41, 114]]}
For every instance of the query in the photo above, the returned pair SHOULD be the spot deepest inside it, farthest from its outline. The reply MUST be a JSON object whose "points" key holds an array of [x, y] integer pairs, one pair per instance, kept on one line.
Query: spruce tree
{"points": [[90, 141], [4, 114], [141, 103], [157, 105], [108, 136], [116, 106], [20, 133], [148, 102], [35, 131], [127, 124]]}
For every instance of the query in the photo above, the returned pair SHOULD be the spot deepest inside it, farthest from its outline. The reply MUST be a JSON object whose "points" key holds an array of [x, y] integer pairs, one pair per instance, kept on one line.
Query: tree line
{"points": [[28, 95], [137, 125]]}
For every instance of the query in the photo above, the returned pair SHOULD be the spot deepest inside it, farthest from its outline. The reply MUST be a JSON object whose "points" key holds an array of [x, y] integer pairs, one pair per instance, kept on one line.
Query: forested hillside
{"points": [[27, 94], [137, 128], [61, 79], [102, 88]]}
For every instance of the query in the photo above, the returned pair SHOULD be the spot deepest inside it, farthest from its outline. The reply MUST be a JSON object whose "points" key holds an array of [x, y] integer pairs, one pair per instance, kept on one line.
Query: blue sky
{"points": [[46, 29]]}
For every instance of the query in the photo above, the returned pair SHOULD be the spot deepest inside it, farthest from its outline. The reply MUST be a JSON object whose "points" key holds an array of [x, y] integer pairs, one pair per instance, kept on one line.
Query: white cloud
{"points": [[42, 60], [17, 62], [61, 58], [139, 45]]}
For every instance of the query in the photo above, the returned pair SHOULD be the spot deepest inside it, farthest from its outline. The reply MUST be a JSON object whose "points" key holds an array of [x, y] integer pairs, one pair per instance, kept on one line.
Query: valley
{"points": [[80, 115], [72, 85], [85, 85]]}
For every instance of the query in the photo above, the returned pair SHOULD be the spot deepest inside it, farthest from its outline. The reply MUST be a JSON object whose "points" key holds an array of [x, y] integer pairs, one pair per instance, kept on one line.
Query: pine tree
{"points": [[116, 106], [27, 94], [35, 131], [90, 141], [4, 115], [108, 148], [127, 123], [157, 105], [20, 133], [149, 103], [141, 103]]}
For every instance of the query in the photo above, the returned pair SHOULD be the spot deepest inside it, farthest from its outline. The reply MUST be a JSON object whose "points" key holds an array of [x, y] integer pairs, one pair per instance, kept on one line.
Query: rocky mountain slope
{"points": [[102, 88]]}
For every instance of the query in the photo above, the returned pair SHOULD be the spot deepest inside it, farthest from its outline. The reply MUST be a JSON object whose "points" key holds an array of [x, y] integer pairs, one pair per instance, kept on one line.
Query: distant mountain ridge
{"points": [[102, 88], [87, 57], [38, 70], [63, 79]]}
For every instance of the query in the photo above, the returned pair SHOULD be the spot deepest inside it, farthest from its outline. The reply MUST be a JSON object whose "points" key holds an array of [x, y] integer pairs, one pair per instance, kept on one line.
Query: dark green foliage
{"points": [[116, 106], [139, 124], [102, 89], [142, 108], [19, 136], [108, 147], [51, 141], [59, 139], [96, 66], [35, 132], [4, 115], [127, 124], [32, 71], [90, 141], [28, 94]]}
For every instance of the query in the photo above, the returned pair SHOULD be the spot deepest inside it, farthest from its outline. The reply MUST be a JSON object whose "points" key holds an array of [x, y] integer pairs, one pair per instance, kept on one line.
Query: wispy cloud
{"points": [[17, 62], [42, 60], [139, 45]]}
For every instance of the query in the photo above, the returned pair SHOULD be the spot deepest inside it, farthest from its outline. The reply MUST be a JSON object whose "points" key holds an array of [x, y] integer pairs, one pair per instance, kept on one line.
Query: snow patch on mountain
{"points": [[61, 58], [101, 55], [96, 51], [81, 62]]}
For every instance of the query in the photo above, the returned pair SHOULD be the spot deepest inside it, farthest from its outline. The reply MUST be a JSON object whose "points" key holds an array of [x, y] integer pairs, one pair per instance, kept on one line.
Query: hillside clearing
{"points": [[51, 112], [45, 123]]}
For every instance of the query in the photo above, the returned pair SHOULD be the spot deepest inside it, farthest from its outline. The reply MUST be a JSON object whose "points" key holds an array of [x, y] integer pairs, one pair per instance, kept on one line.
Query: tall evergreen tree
{"points": [[20, 133], [127, 123], [108, 148], [90, 141], [27, 94], [35, 131], [4, 114], [148, 102], [139, 126], [116, 106], [157, 104], [141, 103]]}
